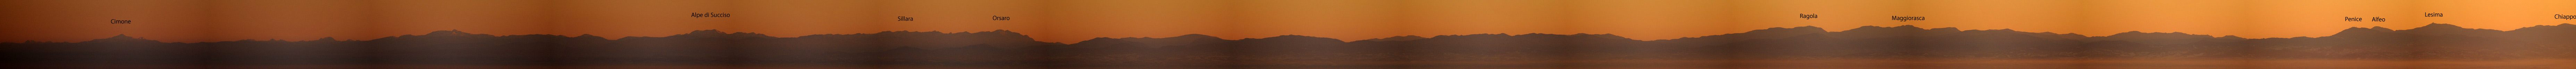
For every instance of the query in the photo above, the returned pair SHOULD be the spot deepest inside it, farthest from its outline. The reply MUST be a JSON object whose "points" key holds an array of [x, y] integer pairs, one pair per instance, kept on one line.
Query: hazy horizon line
{"points": [[1430, 36]]}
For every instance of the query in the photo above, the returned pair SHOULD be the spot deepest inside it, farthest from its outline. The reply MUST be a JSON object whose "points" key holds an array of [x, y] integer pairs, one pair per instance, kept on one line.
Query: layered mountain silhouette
{"points": [[1006, 49]]}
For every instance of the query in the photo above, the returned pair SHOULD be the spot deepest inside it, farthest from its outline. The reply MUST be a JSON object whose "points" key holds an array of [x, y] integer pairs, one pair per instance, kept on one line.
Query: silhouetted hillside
{"points": [[1006, 49]]}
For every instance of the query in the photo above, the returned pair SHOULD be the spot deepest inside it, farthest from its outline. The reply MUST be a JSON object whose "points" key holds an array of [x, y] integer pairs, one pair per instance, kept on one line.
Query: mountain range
{"points": [[1006, 49]]}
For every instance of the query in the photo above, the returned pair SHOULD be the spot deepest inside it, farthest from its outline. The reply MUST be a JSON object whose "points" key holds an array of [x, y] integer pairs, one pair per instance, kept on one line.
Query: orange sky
{"points": [[1074, 20]]}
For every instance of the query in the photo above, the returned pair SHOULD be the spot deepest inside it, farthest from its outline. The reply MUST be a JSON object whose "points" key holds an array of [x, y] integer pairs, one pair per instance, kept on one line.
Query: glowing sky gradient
{"points": [[1074, 20]]}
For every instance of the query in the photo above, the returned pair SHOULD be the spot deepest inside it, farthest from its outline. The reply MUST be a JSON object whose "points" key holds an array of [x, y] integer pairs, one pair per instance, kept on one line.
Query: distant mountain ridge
{"points": [[1003, 48]]}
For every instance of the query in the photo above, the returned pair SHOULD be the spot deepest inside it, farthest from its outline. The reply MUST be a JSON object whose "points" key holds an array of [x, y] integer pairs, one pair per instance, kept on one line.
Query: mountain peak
{"points": [[2358, 31], [2440, 26], [1102, 40], [588, 36], [1000, 32], [1907, 28], [327, 39], [1398, 38], [2151, 37], [2136, 33], [447, 33], [1792, 30], [1945, 29], [710, 31], [120, 36], [1807, 27], [1296, 37], [1601, 36], [1193, 36], [1532, 34]]}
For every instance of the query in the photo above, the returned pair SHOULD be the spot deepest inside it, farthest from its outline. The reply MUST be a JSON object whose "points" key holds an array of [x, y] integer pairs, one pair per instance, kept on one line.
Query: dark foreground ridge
{"points": [[1006, 49]]}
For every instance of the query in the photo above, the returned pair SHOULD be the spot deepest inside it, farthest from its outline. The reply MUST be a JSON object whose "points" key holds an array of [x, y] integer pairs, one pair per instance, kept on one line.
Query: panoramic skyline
{"points": [[2434, 46], [1075, 20]]}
